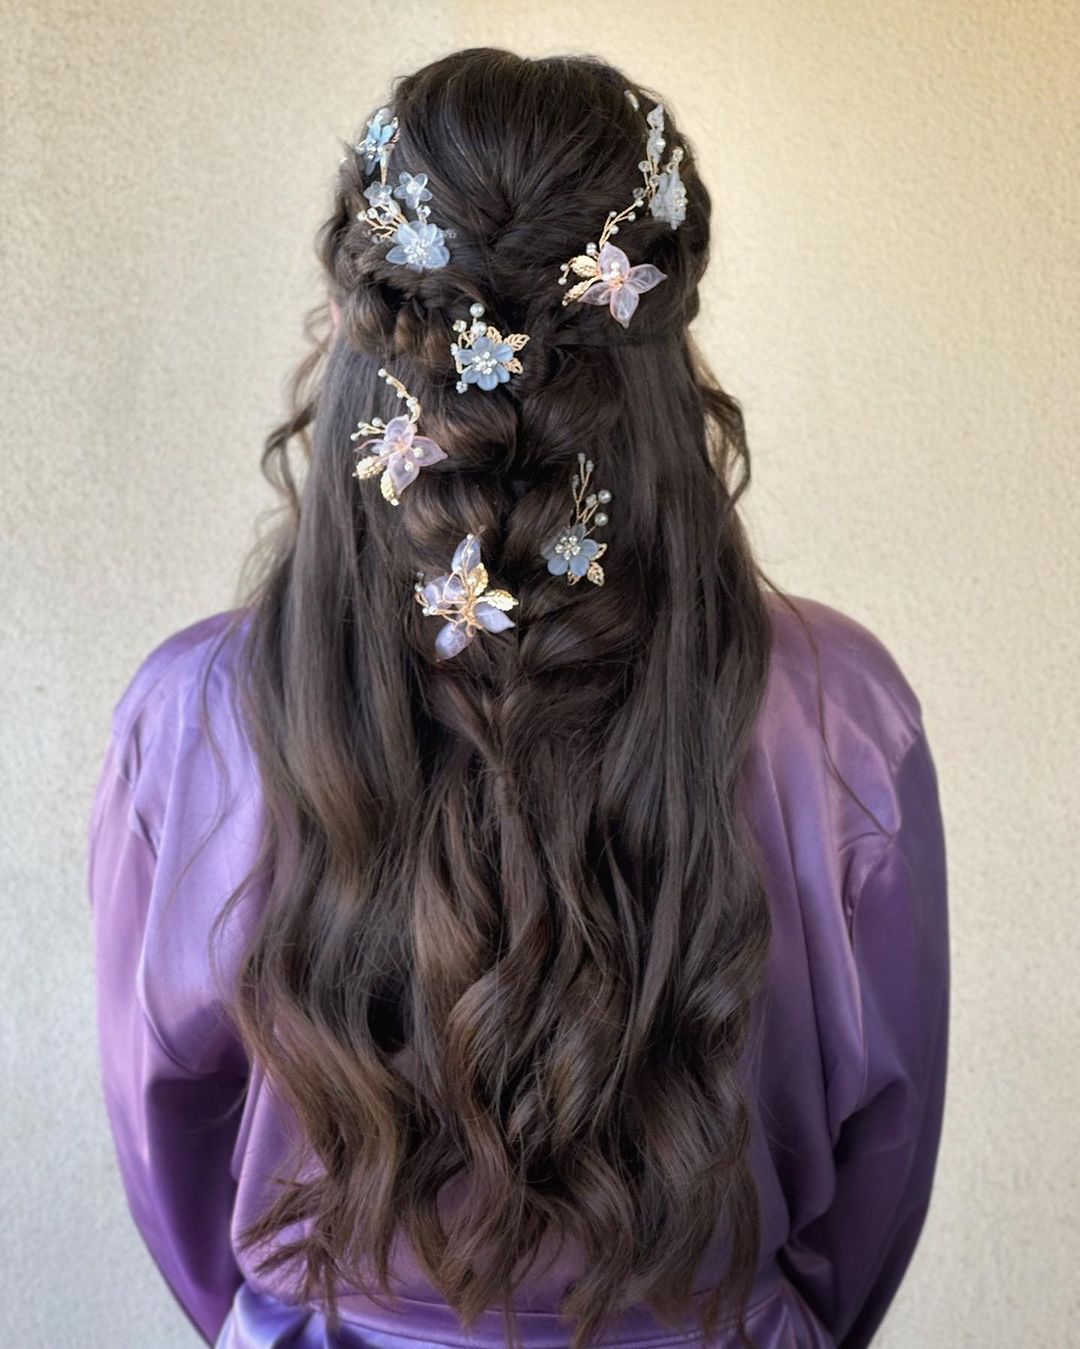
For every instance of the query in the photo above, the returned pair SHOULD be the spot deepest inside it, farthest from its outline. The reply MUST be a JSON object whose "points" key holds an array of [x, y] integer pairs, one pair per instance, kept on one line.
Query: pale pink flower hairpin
{"points": [[607, 274], [461, 597], [394, 448], [618, 285]]}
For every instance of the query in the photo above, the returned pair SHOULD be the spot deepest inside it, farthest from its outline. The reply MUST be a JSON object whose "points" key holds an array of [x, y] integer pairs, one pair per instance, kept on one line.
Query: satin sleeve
{"points": [[848, 1262], [174, 1119]]}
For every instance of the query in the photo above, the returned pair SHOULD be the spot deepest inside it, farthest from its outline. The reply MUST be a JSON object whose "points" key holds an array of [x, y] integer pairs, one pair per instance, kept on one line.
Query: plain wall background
{"points": [[895, 299]]}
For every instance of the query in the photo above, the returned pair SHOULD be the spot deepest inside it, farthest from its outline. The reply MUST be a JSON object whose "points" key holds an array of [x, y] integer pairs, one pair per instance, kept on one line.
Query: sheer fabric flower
{"points": [[400, 454], [412, 189], [620, 284], [373, 146], [669, 203], [419, 245], [378, 194], [569, 550], [461, 597], [485, 362], [654, 143]]}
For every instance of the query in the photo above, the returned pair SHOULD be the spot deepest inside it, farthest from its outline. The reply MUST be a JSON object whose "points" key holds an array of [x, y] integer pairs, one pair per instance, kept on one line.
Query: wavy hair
{"points": [[513, 927]]}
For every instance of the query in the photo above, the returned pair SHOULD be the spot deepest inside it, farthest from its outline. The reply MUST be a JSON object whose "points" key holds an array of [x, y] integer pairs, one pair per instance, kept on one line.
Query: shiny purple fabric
{"points": [[847, 1075]]}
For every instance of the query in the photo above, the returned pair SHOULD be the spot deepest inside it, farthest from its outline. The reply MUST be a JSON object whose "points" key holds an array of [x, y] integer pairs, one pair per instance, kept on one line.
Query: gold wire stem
{"points": [[377, 426], [386, 229]]}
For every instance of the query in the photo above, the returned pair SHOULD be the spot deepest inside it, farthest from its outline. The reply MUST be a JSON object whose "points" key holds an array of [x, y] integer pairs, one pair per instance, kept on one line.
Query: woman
{"points": [[519, 922]]}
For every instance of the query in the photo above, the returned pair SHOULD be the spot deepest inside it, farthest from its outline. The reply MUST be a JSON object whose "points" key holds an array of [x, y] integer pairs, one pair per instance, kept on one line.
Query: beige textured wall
{"points": [[894, 297]]}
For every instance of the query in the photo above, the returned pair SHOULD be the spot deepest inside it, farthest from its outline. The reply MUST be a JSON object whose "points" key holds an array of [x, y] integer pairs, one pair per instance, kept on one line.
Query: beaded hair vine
{"points": [[417, 243], [608, 276]]}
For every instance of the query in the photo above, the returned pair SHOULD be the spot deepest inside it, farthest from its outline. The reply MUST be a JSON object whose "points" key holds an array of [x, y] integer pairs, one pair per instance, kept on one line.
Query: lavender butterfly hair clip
{"points": [[462, 598], [608, 275], [394, 449]]}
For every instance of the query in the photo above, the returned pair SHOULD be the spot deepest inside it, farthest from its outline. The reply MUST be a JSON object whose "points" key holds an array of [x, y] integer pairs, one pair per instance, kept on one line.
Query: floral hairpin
{"points": [[482, 356], [608, 275], [461, 597], [569, 551], [666, 190], [417, 243], [395, 450], [375, 147]]}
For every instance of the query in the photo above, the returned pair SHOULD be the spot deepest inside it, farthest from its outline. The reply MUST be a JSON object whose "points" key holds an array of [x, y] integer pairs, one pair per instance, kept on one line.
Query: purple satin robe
{"points": [[847, 1082]]}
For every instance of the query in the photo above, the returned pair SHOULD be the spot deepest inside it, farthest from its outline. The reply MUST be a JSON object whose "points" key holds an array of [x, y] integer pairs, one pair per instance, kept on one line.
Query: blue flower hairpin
{"points": [[570, 552], [412, 189], [667, 192], [418, 243], [608, 277], [375, 147], [482, 356], [461, 597]]}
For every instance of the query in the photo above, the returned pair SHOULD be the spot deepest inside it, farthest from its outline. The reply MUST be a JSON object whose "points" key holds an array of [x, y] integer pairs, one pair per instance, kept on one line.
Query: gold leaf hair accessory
{"points": [[461, 597], [570, 552], [482, 356], [394, 448], [608, 275]]}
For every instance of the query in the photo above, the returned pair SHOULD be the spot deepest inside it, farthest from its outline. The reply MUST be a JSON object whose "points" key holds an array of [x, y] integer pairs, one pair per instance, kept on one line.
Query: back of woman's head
{"points": [[513, 929]]}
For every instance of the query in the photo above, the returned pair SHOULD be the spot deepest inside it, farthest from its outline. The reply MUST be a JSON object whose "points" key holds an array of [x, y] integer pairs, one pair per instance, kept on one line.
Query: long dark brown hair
{"points": [[514, 928]]}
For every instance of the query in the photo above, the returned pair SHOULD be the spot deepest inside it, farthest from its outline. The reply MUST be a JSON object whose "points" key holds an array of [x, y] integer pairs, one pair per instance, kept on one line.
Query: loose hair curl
{"points": [[513, 927]]}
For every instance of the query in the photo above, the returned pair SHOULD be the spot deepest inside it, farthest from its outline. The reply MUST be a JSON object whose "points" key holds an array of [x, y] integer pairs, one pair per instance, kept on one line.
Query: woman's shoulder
{"points": [[827, 665], [839, 755], [839, 696], [174, 666], [168, 672], [176, 771], [181, 687]]}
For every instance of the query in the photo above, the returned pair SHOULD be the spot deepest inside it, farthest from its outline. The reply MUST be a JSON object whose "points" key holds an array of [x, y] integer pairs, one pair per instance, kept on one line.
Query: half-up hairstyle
{"points": [[513, 929]]}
